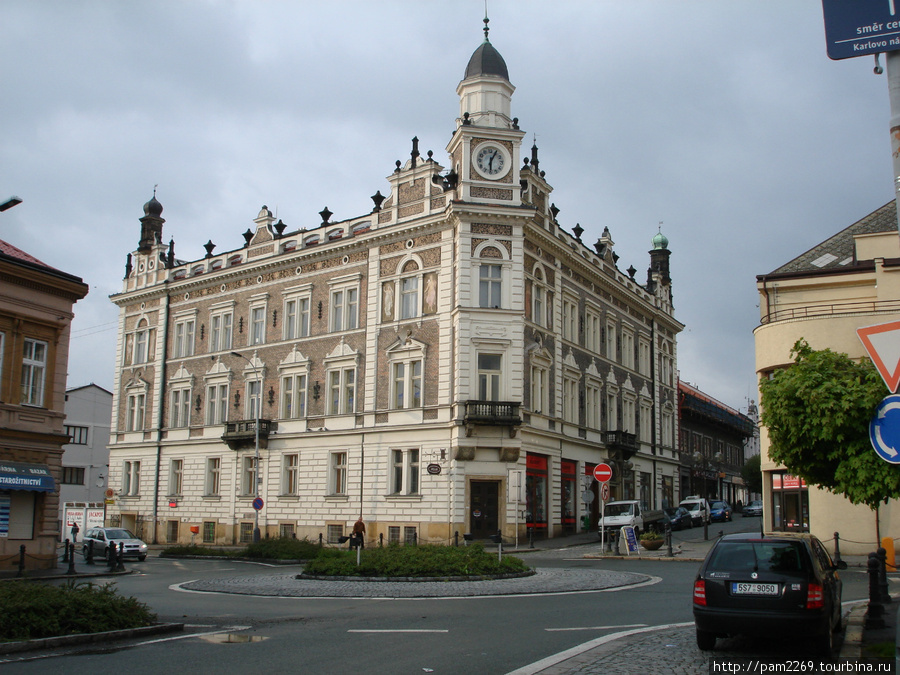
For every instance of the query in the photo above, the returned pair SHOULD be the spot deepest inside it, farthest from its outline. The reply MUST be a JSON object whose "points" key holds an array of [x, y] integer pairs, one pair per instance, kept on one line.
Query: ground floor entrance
{"points": [[484, 508]]}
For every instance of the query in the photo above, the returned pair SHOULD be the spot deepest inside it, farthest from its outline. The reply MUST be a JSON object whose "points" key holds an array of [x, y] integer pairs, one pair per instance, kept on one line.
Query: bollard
{"points": [[320, 540], [669, 541], [65, 557], [875, 612], [882, 577], [837, 547], [381, 540], [120, 559], [71, 569], [111, 557], [89, 558], [21, 572], [887, 543], [530, 537], [456, 538]]}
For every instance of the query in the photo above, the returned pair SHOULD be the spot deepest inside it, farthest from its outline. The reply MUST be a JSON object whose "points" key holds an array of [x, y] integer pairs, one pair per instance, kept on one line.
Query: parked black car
{"points": [[678, 518], [768, 585]]}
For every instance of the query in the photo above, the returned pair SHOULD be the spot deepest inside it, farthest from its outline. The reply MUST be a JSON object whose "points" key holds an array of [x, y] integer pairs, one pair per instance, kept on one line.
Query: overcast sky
{"points": [[725, 120]]}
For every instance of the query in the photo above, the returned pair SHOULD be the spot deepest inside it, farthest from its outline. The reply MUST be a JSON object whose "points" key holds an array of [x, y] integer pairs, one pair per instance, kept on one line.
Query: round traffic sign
{"points": [[604, 492], [258, 503], [603, 472], [884, 429], [587, 496]]}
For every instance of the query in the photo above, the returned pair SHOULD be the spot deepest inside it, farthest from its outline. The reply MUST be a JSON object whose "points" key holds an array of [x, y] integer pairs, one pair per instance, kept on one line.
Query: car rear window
{"points": [[763, 556]]}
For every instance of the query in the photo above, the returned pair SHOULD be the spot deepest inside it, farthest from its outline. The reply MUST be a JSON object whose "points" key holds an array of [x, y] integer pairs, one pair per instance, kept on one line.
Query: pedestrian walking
{"points": [[75, 531], [358, 537]]}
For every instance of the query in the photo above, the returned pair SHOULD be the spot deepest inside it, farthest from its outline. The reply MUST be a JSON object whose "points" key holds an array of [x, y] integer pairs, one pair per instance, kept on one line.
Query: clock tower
{"points": [[485, 147]]}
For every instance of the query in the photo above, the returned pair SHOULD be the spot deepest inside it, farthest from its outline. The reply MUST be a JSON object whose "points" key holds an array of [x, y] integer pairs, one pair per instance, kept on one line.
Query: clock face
{"points": [[490, 160]]}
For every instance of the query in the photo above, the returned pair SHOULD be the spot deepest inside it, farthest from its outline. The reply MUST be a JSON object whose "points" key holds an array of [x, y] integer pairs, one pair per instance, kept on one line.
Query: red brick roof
{"points": [[13, 252]]}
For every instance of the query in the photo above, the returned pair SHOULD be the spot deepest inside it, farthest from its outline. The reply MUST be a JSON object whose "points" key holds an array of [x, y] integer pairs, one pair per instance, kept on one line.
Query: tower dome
{"points": [[486, 60], [660, 241], [153, 207]]}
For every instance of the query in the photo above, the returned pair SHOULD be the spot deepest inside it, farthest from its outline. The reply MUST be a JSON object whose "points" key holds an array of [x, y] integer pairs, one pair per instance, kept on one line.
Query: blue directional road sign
{"points": [[860, 27], [884, 429]]}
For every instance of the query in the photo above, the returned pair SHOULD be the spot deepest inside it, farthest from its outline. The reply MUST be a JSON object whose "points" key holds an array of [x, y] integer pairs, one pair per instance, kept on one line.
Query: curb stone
{"points": [[88, 638]]}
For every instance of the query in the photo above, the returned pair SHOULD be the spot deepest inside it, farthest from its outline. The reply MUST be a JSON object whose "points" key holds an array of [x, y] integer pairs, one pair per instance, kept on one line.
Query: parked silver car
{"points": [[103, 536]]}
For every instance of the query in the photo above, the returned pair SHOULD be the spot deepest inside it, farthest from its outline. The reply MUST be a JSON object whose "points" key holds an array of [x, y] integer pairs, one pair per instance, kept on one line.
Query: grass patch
{"points": [[414, 561], [31, 610], [881, 650]]}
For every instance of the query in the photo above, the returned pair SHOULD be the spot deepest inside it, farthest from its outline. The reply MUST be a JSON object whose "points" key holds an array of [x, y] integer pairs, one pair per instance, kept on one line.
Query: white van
{"points": [[698, 507]]}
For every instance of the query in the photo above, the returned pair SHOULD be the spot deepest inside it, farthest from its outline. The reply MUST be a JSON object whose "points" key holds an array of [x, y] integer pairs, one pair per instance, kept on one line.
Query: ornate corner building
{"points": [[451, 363]]}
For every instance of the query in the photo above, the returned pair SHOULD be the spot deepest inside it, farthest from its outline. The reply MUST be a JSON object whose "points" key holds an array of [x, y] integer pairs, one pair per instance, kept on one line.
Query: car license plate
{"points": [[753, 589]]}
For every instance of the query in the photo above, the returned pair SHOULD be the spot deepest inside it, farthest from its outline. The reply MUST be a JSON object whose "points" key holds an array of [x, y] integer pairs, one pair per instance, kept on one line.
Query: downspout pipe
{"points": [[163, 332]]}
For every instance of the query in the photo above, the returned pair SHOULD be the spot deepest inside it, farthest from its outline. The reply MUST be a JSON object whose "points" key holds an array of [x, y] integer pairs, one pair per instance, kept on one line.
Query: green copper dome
{"points": [[660, 241]]}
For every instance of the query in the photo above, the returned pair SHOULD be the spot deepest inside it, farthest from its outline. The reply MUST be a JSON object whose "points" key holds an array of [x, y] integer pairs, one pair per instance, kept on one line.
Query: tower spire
{"points": [[486, 22]]}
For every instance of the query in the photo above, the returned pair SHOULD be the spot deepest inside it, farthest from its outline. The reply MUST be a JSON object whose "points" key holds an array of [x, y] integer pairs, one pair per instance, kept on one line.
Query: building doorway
{"points": [[484, 508]]}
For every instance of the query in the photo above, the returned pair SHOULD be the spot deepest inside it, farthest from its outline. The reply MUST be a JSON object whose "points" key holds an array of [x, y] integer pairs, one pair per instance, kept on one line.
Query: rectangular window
{"points": [[73, 475], [593, 332], [77, 435], [217, 404], [257, 325], [612, 346], [408, 384], [290, 474], [570, 320], [248, 476], [342, 391], [34, 370], [176, 474], [131, 478], [627, 348], [344, 309], [629, 420], [338, 478], [393, 534], [220, 331], [246, 533], [140, 346], [592, 405], [209, 532], [293, 396], [296, 318], [409, 297], [287, 531], [538, 305], [184, 338], [643, 356], [254, 393], [646, 423], [181, 408], [213, 475], [570, 399], [612, 411], [490, 286], [489, 372], [334, 533], [540, 390], [135, 417], [409, 535]]}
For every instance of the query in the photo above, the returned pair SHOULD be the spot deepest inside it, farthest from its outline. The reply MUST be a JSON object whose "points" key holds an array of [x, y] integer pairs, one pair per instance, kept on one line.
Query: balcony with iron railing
{"points": [[831, 309], [242, 433], [492, 414]]}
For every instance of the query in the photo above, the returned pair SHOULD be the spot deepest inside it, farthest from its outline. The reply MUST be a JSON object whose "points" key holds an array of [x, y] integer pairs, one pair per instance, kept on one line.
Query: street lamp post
{"points": [[256, 473]]}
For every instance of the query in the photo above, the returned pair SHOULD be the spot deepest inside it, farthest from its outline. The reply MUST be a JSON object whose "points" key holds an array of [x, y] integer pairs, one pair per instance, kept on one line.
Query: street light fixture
{"points": [[9, 203], [256, 473]]}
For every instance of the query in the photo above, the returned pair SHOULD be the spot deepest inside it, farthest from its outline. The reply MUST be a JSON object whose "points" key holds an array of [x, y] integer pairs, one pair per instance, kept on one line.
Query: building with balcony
{"points": [[848, 281], [452, 362], [36, 302]]}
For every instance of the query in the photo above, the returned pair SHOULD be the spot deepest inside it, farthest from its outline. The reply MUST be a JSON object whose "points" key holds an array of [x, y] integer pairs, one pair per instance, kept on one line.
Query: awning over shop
{"points": [[21, 476]]}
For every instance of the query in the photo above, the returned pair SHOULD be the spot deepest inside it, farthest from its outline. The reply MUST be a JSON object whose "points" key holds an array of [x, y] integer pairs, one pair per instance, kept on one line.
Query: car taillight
{"points": [[700, 592], [815, 597]]}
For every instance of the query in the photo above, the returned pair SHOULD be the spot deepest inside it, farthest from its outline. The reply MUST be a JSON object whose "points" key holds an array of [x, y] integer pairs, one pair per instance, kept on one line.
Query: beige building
{"points": [[35, 315], [453, 362], [848, 281]]}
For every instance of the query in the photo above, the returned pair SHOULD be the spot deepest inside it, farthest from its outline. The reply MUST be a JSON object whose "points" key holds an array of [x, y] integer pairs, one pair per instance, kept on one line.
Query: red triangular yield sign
{"points": [[882, 342]]}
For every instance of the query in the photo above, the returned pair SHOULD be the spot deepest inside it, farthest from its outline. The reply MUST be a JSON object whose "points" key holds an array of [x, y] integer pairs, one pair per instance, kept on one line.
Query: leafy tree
{"points": [[817, 412], [752, 474]]}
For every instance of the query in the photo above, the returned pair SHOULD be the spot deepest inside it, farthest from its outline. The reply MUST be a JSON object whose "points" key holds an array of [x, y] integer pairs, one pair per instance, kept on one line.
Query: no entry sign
{"points": [[603, 472]]}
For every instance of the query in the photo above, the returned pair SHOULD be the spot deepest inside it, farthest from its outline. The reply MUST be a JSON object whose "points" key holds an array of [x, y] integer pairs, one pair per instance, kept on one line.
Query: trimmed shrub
{"points": [[283, 548]]}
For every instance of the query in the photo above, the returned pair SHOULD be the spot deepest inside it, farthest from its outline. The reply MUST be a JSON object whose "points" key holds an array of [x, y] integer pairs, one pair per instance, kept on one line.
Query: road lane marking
{"points": [[627, 625], [398, 630]]}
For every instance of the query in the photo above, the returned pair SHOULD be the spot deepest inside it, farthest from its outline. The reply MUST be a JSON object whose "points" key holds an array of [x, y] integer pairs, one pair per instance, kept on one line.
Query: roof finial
{"points": [[486, 22], [154, 190]]}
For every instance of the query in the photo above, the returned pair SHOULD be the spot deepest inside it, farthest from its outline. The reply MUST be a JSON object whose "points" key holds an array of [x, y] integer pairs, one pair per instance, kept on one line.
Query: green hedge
{"points": [[280, 548], [414, 561], [31, 610]]}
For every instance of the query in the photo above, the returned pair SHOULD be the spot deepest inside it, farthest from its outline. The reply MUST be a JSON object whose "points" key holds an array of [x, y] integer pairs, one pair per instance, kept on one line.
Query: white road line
{"points": [[627, 625], [399, 630], [538, 666]]}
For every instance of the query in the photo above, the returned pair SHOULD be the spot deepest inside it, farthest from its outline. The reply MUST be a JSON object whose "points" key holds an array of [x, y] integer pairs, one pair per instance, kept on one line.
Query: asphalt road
{"points": [[493, 635]]}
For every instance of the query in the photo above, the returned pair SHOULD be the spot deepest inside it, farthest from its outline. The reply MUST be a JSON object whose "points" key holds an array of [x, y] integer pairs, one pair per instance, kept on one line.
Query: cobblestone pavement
{"points": [[544, 581]]}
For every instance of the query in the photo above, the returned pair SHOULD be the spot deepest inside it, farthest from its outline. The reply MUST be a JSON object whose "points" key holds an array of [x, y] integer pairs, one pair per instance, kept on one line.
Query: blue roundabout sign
{"points": [[884, 429]]}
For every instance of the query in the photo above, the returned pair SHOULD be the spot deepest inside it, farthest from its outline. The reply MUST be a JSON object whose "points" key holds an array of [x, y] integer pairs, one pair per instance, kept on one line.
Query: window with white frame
{"points": [[540, 384], [220, 326], [643, 355], [342, 391], [667, 427], [290, 474], [181, 407], [296, 312], [570, 319], [344, 310], [293, 395], [570, 396], [629, 412], [248, 475], [337, 478], [646, 421], [257, 325], [612, 346], [213, 484], [184, 337], [409, 294], [34, 371], [593, 330], [627, 344], [140, 344], [131, 478], [490, 373], [407, 384], [592, 403], [405, 472], [612, 409], [176, 475], [490, 285], [134, 417], [540, 310], [216, 403], [666, 367], [254, 399]]}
